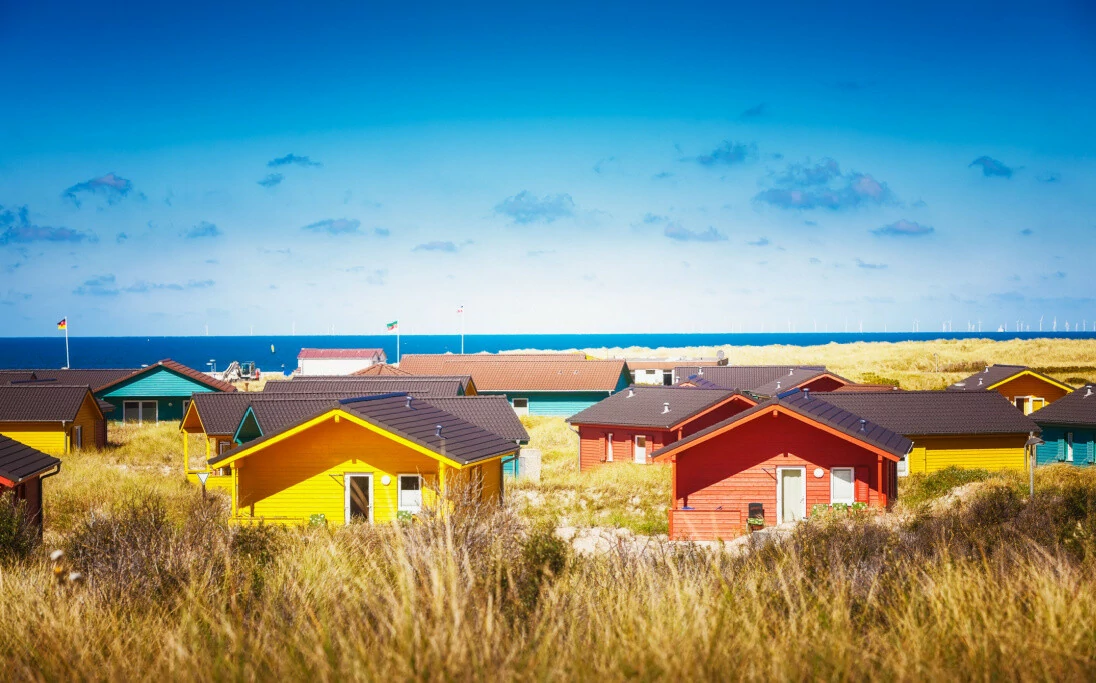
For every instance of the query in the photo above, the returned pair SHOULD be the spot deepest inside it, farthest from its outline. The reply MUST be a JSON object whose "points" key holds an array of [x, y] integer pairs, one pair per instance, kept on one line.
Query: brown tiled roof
{"points": [[668, 363], [995, 374], [18, 461], [416, 421], [745, 377], [41, 402], [810, 406], [493, 413], [221, 412], [419, 386], [925, 413], [797, 377], [865, 387], [94, 378], [276, 414], [645, 406], [1076, 408], [369, 354], [380, 370], [503, 373]]}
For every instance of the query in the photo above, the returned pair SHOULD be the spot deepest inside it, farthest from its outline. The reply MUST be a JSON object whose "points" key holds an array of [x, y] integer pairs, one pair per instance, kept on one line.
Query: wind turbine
{"points": [[1040, 323]]}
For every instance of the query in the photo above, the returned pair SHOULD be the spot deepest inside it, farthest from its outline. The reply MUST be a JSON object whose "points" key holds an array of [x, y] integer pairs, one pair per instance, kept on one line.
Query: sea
{"points": [[279, 353]]}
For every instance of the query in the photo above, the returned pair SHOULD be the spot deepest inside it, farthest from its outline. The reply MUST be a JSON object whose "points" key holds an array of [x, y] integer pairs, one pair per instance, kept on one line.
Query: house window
{"points": [[186, 406], [842, 485], [521, 406], [77, 437], [1037, 403], [667, 378], [223, 446], [609, 448], [139, 412], [410, 493], [1069, 446]]}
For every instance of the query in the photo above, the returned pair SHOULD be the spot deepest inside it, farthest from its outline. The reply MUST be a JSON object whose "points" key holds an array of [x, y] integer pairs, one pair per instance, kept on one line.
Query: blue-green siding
{"points": [[510, 467], [169, 390], [563, 404], [1054, 450]]}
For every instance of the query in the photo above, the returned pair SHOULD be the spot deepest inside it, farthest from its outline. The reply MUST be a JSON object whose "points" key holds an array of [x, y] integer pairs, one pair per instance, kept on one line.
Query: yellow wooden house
{"points": [[369, 459], [1025, 388], [52, 418], [972, 430]]}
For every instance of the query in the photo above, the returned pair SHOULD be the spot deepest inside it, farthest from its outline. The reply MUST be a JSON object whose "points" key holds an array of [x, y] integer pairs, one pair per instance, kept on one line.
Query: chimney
{"points": [[665, 408], [437, 431]]}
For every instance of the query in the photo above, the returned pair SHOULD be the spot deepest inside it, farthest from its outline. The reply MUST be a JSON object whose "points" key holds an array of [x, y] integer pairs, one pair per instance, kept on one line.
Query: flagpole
{"points": [[397, 341], [68, 362], [462, 330]]}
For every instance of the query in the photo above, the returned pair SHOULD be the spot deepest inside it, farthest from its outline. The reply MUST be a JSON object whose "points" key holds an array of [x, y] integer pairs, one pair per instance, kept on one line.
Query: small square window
{"points": [[842, 485], [410, 493]]}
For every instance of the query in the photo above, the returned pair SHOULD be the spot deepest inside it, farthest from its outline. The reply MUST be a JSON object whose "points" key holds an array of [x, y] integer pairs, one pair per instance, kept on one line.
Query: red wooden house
{"points": [[784, 455], [632, 424]]}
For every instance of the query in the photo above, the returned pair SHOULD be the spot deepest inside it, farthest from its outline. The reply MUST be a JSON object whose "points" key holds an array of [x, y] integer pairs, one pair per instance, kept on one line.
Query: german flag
{"points": [[63, 324]]}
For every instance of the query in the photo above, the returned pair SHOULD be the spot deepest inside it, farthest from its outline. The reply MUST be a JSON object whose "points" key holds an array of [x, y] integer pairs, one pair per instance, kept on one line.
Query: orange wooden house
{"points": [[778, 462], [1026, 389], [632, 424]]}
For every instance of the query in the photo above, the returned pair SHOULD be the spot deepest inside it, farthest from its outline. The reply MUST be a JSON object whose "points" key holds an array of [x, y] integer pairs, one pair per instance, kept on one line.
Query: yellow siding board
{"points": [[931, 454], [47, 437], [86, 418]]}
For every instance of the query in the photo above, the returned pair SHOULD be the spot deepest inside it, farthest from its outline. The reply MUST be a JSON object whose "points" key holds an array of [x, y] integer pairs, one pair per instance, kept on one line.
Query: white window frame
{"points": [[852, 496], [141, 411], [186, 406], [77, 436], [780, 493], [635, 448], [1069, 446], [346, 495], [399, 493], [609, 448], [224, 447], [523, 410]]}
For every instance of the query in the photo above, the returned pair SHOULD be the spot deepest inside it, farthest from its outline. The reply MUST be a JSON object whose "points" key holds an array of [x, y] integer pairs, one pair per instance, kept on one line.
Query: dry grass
{"points": [[998, 590], [915, 365], [622, 495], [992, 587]]}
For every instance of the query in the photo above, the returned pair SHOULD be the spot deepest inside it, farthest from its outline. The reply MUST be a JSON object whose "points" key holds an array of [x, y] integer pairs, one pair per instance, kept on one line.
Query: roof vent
{"points": [[806, 394], [665, 408], [700, 371], [1088, 391], [437, 431], [631, 392], [863, 425], [987, 369], [791, 372], [979, 381], [777, 384], [409, 400]]}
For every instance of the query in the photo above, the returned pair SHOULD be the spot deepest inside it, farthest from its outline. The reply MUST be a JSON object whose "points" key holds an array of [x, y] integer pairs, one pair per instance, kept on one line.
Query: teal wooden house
{"points": [[157, 392], [535, 384], [1069, 429]]}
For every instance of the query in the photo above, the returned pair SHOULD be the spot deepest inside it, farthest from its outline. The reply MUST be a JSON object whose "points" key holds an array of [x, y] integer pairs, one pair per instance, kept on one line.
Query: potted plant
{"points": [[755, 523]]}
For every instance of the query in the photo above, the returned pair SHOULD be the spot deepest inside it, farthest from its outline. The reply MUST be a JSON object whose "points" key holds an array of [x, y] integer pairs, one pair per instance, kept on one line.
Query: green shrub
{"points": [[18, 534], [918, 489]]}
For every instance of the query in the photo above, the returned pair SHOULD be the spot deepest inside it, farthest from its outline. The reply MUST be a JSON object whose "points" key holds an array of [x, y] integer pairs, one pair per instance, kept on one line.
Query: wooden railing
{"points": [[705, 525]]}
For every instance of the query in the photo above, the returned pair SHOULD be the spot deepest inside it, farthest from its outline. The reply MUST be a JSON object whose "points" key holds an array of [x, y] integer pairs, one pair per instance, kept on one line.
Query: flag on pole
{"points": [[393, 326], [63, 324]]}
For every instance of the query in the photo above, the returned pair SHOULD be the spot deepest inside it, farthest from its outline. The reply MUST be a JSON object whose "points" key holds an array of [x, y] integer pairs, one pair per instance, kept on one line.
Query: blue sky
{"points": [[553, 168]]}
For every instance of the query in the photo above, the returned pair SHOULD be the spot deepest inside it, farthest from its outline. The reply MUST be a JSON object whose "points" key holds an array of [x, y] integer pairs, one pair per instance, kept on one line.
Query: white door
{"points": [[791, 494], [641, 449], [358, 502]]}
